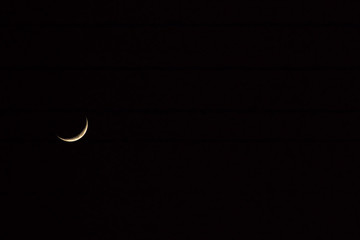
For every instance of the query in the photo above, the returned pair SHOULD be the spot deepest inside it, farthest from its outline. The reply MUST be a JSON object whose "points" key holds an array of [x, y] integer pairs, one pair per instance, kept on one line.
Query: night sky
{"points": [[206, 119]]}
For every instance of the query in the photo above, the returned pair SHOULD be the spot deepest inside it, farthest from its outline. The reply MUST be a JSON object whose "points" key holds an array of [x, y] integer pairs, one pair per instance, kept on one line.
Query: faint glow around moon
{"points": [[77, 137]]}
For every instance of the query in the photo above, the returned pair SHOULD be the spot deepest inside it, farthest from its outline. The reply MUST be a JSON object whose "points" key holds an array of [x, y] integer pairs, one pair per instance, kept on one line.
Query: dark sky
{"points": [[205, 119]]}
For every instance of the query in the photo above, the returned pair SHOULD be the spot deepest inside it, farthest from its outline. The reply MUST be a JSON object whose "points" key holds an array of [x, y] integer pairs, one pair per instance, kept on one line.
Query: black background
{"points": [[205, 119]]}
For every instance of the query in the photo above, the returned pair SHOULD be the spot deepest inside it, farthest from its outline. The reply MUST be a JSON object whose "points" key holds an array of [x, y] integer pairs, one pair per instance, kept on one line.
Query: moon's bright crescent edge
{"points": [[77, 137]]}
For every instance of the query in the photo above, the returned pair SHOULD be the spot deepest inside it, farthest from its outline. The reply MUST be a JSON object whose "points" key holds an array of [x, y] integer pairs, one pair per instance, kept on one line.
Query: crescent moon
{"points": [[77, 137]]}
